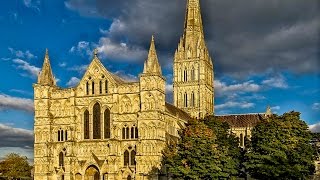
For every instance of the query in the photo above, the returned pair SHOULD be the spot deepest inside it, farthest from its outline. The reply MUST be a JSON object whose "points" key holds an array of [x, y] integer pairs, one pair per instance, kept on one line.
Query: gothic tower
{"points": [[193, 68]]}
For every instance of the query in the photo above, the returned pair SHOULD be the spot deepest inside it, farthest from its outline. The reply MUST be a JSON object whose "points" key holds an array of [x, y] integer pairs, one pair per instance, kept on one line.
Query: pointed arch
{"points": [[185, 99], [96, 121], [86, 124], [87, 88], [126, 158], [192, 100], [61, 159], [100, 87], [133, 158], [92, 87], [193, 75], [107, 124], [106, 86], [185, 75]]}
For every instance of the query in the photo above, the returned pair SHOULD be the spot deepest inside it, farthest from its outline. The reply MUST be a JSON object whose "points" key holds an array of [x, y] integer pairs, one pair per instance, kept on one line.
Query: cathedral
{"points": [[108, 129]]}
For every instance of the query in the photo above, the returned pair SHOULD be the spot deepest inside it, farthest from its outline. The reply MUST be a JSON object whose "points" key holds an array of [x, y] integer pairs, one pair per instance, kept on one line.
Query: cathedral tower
{"points": [[193, 68]]}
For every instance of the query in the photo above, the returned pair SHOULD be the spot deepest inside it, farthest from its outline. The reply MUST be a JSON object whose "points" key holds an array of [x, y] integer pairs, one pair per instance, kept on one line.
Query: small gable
{"points": [[97, 79]]}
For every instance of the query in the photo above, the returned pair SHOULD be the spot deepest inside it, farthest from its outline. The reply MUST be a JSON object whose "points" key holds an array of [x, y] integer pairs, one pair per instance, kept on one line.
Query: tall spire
{"points": [[193, 20], [151, 65], [46, 77]]}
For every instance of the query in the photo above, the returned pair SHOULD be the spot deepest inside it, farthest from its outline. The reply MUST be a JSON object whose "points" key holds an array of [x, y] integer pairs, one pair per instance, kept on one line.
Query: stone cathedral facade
{"points": [[106, 128]]}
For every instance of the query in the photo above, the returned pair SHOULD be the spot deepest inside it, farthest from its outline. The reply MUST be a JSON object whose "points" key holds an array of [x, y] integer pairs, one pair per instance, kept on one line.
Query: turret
{"points": [[152, 83], [46, 77]]}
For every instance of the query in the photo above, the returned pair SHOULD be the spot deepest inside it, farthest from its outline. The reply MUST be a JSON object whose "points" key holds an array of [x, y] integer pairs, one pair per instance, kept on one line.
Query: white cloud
{"points": [[83, 48], [316, 106], [16, 103], [20, 54], [276, 82], [125, 76], [80, 69], [20, 91], [34, 4], [231, 104], [62, 64], [30, 69], [169, 88], [120, 51], [315, 128], [275, 108], [223, 89], [73, 82]]}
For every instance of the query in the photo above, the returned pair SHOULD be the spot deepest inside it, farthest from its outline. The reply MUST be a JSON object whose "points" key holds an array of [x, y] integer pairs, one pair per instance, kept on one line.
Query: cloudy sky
{"points": [[265, 52]]}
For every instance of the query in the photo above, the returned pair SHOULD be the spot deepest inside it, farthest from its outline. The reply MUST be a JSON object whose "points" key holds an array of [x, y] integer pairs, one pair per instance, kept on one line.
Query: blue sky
{"points": [[265, 53]]}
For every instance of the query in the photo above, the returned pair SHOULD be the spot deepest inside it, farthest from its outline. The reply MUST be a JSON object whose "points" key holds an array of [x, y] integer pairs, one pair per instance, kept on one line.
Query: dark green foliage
{"points": [[280, 149], [205, 151], [15, 166]]}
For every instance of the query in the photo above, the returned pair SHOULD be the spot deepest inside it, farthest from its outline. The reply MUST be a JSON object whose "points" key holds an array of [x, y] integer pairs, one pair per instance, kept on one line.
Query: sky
{"points": [[265, 53]]}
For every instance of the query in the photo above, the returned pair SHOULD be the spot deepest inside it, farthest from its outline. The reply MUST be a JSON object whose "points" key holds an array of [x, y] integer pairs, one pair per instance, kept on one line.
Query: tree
{"points": [[199, 153], [15, 166], [280, 149]]}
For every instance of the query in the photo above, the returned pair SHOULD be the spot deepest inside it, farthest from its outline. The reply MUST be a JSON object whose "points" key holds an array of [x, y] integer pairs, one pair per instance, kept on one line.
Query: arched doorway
{"points": [[92, 173]]}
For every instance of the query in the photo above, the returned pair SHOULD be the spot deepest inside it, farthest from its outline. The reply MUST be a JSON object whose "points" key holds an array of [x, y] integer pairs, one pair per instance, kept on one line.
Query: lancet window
{"points": [[130, 157], [86, 124], [96, 121], [107, 124]]}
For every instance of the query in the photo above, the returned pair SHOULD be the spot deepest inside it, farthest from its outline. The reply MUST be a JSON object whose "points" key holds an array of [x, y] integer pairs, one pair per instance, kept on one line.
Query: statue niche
{"points": [[125, 105]]}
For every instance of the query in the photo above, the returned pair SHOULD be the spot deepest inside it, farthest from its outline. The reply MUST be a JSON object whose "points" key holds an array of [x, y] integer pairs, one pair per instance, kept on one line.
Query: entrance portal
{"points": [[92, 173]]}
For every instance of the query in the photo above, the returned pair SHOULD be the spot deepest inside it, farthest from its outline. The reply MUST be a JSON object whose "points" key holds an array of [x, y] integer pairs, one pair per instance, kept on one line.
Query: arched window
{"points": [[133, 158], [136, 133], [106, 86], [127, 133], [192, 100], [185, 100], [123, 133], [193, 74], [62, 139], [185, 75], [87, 88], [61, 159], [92, 87], [96, 121], [100, 87], [86, 124], [66, 137], [241, 140], [59, 135], [107, 124], [132, 132], [126, 158]]}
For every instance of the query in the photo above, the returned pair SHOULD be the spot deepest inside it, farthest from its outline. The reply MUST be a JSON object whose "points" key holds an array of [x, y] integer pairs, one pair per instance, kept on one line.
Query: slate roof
{"points": [[171, 109], [242, 120]]}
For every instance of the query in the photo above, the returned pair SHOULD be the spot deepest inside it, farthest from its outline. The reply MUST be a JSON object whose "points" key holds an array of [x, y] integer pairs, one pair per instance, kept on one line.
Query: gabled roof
{"points": [[242, 120], [171, 109]]}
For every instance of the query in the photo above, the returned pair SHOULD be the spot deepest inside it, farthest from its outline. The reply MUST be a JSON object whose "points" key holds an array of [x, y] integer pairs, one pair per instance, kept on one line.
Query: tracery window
{"points": [[96, 121], [61, 136], [130, 157], [130, 133], [86, 124], [107, 124], [185, 75], [61, 159]]}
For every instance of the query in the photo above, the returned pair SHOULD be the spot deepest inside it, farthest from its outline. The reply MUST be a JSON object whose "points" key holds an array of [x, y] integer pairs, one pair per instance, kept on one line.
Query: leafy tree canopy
{"points": [[15, 166], [280, 149], [206, 150]]}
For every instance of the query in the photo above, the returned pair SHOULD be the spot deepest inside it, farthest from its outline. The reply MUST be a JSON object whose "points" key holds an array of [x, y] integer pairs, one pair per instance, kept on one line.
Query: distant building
{"points": [[107, 128]]}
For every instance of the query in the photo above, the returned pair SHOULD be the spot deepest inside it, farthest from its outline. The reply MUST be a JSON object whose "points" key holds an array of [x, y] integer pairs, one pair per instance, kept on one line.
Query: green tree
{"points": [[15, 166], [280, 149], [199, 153]]}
